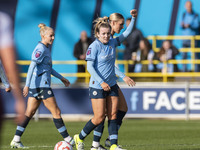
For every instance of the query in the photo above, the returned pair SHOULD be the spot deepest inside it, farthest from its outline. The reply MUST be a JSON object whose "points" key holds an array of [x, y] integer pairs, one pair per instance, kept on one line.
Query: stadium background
{"points": [[69, 18]]}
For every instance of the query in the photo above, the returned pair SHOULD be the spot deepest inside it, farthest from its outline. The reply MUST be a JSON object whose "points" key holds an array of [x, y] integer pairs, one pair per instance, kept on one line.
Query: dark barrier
{"points": [[142, 101]]}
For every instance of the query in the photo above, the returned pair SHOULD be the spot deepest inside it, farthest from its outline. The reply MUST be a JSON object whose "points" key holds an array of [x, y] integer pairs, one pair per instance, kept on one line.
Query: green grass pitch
{"points": [[135, 134]]}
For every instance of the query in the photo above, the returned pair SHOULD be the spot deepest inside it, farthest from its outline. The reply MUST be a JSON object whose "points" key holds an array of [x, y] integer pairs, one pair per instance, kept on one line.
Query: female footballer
{"points": [[116, 21], [103, 89], [38, 84]]}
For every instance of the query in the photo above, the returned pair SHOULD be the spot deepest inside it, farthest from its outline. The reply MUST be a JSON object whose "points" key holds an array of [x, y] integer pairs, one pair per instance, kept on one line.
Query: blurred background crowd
{"points": [[73, 25]]}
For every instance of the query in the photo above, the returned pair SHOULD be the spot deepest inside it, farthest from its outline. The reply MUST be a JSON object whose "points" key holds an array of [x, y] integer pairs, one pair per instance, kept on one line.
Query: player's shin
{"points": [[98, 131], [62, 130], [20, 129], [113, 131], [120, 116]]}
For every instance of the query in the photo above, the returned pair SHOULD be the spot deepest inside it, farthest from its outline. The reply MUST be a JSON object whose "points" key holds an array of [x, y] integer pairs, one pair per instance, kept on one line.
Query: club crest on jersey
{"points": [[110, 47], [89, 51], [38, 53]]}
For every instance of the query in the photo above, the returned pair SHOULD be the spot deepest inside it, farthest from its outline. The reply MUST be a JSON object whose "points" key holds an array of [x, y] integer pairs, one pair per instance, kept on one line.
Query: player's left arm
{"points": [[127, 80], [59, 76], [129, 29], [119, 73]]}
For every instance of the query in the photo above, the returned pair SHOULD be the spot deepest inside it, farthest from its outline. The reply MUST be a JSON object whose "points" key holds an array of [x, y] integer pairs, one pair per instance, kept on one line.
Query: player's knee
{"points": [[99, 119], [112, 116], [58, 112], [30, 113]]}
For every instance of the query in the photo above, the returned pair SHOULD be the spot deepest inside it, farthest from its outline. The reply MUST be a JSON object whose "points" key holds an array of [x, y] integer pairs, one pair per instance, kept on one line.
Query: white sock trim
{"points": [[68, 139], [17, 138], [95, 144]]}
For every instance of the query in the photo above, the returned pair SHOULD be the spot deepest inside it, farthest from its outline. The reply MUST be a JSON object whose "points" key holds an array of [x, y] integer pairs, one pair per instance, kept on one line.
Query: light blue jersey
{"points": [[40, 69], [101, 59], [117, 71], [103, 56]]}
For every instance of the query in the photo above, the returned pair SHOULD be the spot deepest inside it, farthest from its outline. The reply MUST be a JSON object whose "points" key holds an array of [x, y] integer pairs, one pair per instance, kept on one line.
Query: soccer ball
{"points": [[63, 145]]}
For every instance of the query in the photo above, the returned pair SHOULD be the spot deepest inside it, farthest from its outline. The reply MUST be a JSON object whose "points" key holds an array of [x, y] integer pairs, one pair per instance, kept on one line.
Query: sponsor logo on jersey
{"points": [[108, 56]]}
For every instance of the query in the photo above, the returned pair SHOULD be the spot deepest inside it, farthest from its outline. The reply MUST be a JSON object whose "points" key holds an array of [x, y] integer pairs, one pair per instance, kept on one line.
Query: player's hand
{"points": [[105, 86], [129, 81], [8, 89], [133, 12], [25, 91], [65, 82]]}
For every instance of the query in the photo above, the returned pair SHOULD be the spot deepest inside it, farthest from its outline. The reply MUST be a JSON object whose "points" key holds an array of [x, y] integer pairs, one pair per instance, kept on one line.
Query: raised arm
{"points": [[129, 29]]}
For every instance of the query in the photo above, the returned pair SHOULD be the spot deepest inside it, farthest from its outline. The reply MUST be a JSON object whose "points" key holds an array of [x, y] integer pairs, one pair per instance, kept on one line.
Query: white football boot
{"points": [[14, 144]]}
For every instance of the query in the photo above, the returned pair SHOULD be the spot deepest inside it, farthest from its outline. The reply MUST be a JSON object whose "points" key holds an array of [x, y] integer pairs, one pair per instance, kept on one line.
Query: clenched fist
{"points": [[133, 12]]}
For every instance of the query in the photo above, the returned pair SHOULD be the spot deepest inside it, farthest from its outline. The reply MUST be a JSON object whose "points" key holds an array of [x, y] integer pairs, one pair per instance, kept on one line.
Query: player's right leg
{"points": [[51, 105], [98, 106], [32, 106], [112, 103]]}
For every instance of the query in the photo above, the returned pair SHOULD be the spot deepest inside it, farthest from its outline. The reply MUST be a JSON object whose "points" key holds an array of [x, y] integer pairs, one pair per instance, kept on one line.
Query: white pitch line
{"points": [[27, 147]]}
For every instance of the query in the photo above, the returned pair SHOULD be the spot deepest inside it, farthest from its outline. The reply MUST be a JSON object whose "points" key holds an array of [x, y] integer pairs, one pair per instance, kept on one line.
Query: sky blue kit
{"points": [[40, 69], [101, 59]]}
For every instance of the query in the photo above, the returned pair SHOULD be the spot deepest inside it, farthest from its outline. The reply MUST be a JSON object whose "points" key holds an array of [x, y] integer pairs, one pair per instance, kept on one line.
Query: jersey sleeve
{"points": [[116, 41], [30, 73], [119, 73], [92, 71], [56, 74], [38, 55], [128, 30], [91, 52]]}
